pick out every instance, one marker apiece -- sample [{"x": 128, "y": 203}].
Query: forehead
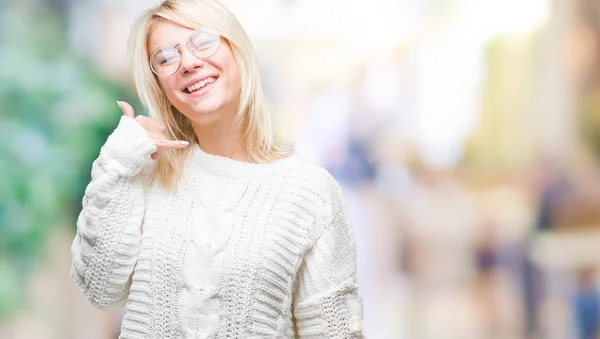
[{"x": 165, "y": 32}]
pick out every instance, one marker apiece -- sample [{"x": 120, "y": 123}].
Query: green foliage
[{"x": 56, "y": 111}]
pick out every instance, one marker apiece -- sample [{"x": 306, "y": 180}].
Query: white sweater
[{"x": 238, "y": 250}]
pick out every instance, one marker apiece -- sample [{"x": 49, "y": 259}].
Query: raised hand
[{"x": 154, "y": 129}]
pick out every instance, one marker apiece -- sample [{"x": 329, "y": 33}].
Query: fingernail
[
  {"x": 119, "y": 103},
  {"x": 184, "y": 143}
]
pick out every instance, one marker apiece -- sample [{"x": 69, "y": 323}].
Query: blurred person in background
[
  {"x": 197, "y": 218},
  {"x": 487, "y": 262},
  {"x": 552, "y": 189},
  {"x": 586, "y": 304}
]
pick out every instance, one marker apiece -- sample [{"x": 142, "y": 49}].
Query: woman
[{"x": 196, "y": 218}]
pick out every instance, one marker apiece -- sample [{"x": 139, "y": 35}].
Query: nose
[{"x": 189, "y": 62}]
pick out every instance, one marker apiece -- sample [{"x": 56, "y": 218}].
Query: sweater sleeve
[
  {"x": 105, "y": 249},
  {"x": 326, "y": 302}
]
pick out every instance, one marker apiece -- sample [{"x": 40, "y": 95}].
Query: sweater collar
[{"x": 217, "y": 164}]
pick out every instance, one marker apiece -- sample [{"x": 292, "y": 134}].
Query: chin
[
  {"x": 205, "y": 114},
  {"x": 209, "y": 107}
]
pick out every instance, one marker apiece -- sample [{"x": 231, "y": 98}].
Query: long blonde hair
[{"x": 253, "y": 112}]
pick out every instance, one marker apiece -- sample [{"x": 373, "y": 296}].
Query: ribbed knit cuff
[{"x": 128, "y": 148}]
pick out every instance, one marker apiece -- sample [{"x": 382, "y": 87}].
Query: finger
[
  {"x": 126, "y": 109},
  {"x": 154, "y": 155},
  {"x": 170, "y": 144}
]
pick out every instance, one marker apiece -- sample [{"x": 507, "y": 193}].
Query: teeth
[{"x": 201, "y": 84}]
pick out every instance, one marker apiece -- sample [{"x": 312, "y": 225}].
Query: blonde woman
[{"x": 197, "y": 219}]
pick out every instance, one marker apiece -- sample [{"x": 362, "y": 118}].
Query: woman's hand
[{"x": 154, "y": 129}]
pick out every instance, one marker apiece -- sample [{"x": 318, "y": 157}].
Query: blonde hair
[{"x": 253, "y": 112}]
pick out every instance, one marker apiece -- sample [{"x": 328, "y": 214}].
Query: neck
[{"x": 222, "y": 137}]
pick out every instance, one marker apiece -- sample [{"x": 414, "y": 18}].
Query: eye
[
  {"x": 203, "y": 39},
  {"x": 165, "y": 55},
  {"x": 167, "y": 59},
  {"x": 204, "y": 44}
]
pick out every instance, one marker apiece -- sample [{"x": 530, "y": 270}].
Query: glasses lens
[
  {"x": 204, "y": 42},
  {"x": 165, "y": 61}
]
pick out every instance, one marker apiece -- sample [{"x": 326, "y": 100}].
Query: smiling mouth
[{"x": 200, "y": 85}]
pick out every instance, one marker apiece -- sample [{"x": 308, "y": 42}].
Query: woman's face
[{"x": 202, "y": 89}]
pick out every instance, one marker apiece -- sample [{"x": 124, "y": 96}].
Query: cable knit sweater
[{"x": 238, "y": 250}]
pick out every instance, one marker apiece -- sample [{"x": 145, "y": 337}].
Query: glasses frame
[{"x": 187, "y": 43}]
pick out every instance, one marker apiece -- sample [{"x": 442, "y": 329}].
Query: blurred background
[{"x": 465, "y": 133}]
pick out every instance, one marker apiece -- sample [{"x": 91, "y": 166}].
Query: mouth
[{"x": 201, "y": 85}]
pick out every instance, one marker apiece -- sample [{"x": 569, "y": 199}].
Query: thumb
[{"x": 126, "y": 109}]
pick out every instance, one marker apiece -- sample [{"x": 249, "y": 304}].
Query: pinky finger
[{"x": 170, "y": 144}]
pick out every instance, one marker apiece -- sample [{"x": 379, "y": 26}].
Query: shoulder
[
  {"x": 310, "y": 176},
  {"x": 317, "y": 184},
  {"x": 309, "y": 194},
  {"x": 330, "y": 210}
]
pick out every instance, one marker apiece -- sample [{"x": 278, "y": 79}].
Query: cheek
[
  {"x": 170, "y": 89},
  {"x": 235, "y": 81}
]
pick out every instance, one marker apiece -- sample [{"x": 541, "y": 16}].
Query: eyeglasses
[{"x": 166, "y": 60}]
